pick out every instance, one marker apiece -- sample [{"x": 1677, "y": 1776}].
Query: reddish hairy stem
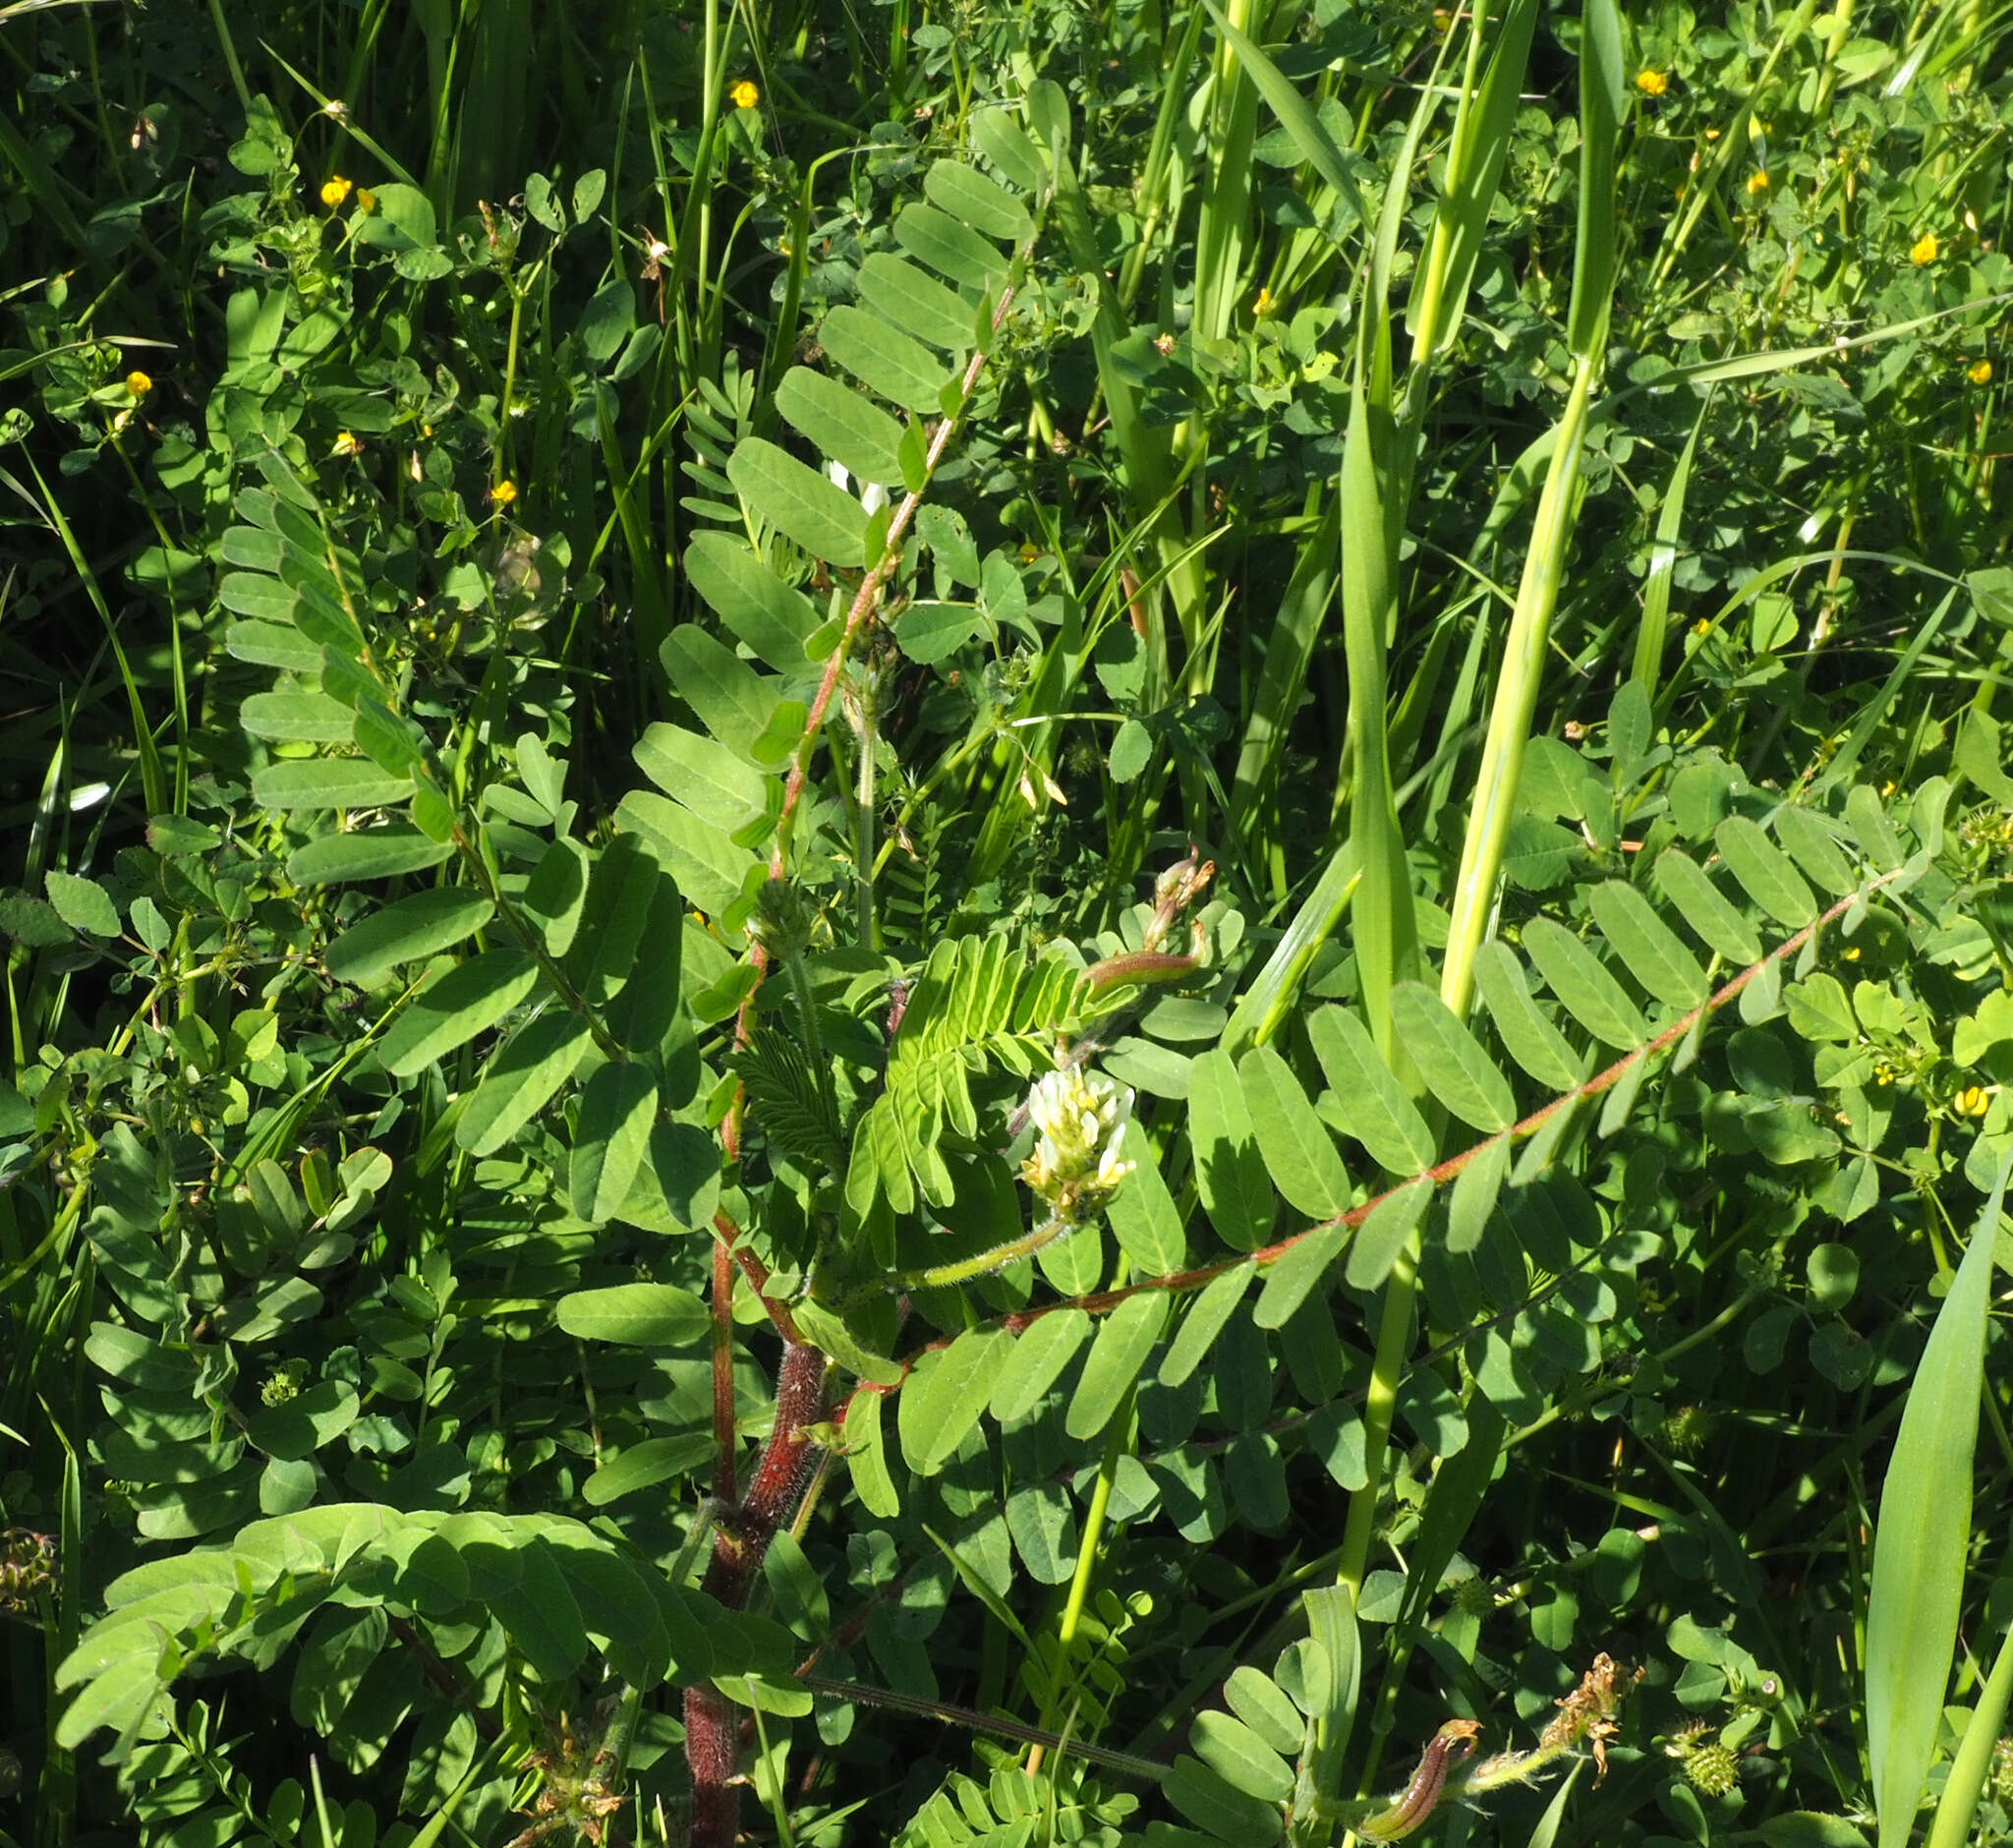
[
  {"x": 757, "y": 1274},
  {"x": 713, "y": 1729},
  {"x": 862, "y": 607},
  {"x": 724, "y": 1483}
]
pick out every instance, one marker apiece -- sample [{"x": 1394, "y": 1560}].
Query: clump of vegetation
[{"x": 982, "y": 925}]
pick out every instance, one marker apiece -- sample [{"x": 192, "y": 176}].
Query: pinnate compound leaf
[
  {"x": 710, "y": 869},
  {"x": 296, "y": 716},
  {"x": 644, "y": 1465},
  {"x": 1289, "y": 1282},
  {"x": 366, "y": 854},
  {"x": 936, "y": 239},
  {"x": 1703, "y": 905},
  {"x": 828, "y": 1331},
  {"x": 463, "y": 1003},
  {"x": 1006, "y": 143},
  {"x": 273, "y": 645},
  {"x": 866, "y": 1457},
  {"x": 1459, "y": 1074},
  {"x": 917, "y": 303},
  {"x": 116, "y": 1700},
  {"x": 1239, "y": 1757},
  {"x": 637, "y": 1316},
  {"x": 946, "y": 1395},
  {"x": 1229, "y": 1172},
  {"x": 1115, "y": 1357},
  {"x": 1210, "y": 1801},
  {"x": 301, "y": 1424},
  {"x": 1766, "y": 873},
  {"x": 799, "y": 502},
  {"x": 616, "y": 1111},
  {"x": 1651, "y": 951},
  {"x": 1144, "y": 1218},
  {"x": 1040, "y": 1354},
  {"x": 1588, "y": 992},
  {"x": 1813, "y": 846},
  {"x": 1474, "y": 1195},
  {"x": 1923, "y": 1538},
  {"x": 410, "y": 930},
  {"x": 1204, "y": 1320},
  {"x": 844, "y": 424},
  {"x": 1527, "y": 1036},
  {"x": 774, "y": 620},
  {"x": 1373, "y": 1103},
  {"x": 1382, "y": 1236},
  {"x": 541, "y": 1615},
  {"x": 521, "y": 1080},
  {"x": 980, "y": 203},
  {"x": 884, "y": 359},
  {"x": 1809, "y": 1829},
  {"x": 1298, "y": 1152},
  {"x": 328, "y": 782},
  {"x": 733, "y": 702},
  {"x": 1871, "y": 829}
]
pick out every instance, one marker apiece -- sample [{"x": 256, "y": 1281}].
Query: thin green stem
[{"x": 1116, "y": 1446}]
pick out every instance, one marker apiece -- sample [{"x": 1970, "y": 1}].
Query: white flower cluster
[{"x": 1077, "y": 1163}]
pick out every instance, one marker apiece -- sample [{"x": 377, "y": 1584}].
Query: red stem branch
[{"x": 1103, "y": 1301}]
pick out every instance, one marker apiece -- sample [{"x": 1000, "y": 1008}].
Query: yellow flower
[
  {"x": 504, "y": 492},
  {"x": 1029, "y": 553},
  {"x": 1925, "y": 250},
  {"x": 367, "y": 201},
  {"x": 1701, "y": 628},
  {"x": 1262, "y": 306},
  {"x": 139, "y": 384},
  {"x": 1979, "y": 371},
  {"x": 744, "y": 95},
  {"x": 335, "y": 191},
  {"x": 346, "y": 444},
  {"x": 1973, "y": 1101},
  {"x": 1852, "y": 955},
  {"x": 1757, "y": 183},
  {"x": 1652, "y": 83}
]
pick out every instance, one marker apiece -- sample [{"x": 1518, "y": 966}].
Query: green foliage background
[{"x": 623, "y": 623}]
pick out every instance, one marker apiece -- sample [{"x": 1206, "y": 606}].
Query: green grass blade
[
  {"x": 1268, "y": 999},
  {"x": 1958, "y": 1805},
  {"x": 1223, "y": 229},
  {"x": 1922, "y": 1538},
  {"x": 1316, "y": 145},
  {"x": 1602, "y": 94},
  {"x": 1516, "y": 690},
  {"x": 1302, "y": 609},
  {"x": 1482, "y": 125},
  {"x": 1663, "y": 556},
  {"x": 153, "y": 779}
]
